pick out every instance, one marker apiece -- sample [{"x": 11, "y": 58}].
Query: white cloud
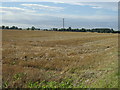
[
  {"x": 59, "y": 1},
  {"x": 105, "y": 4},
  {"x": 39, "y": 6},
  {"x": 93, "y": 3},
  {"x": 25, "y": 17},
  {"x": 11, "y": 8},
  {"x": 97, "y": 7},
  {"x": 14, "y": 9},
  {"x": 34, "y": 18},
  {"x": 21, "y": 16}
]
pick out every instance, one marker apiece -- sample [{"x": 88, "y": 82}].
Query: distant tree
[
  {"x": 7, "y": 27},
  {"x": 37, "y": 28},
  {"x": 112, "y": 30},
  {"x": 16, "y": 27},
  {"x": 88, "y": 30},
  {"x": 62, "y": 29},
  {"x": 13, "y": 27},
  {"x": 45, "y": 30},
  {"x": 28, "y": 28},
  {"x": 54, "y": 29},
  {"x": 3, "y": 27},
  {"x": 69, "y": 29},
  {"x": 77, "y": 30},
  {"x": 83, "y": 30},
  {"x": 32, "y": 28},
  {"x": 19, "y": 28}
]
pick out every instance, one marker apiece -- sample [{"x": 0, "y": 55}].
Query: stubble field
[{"x": 49, "y": 59}]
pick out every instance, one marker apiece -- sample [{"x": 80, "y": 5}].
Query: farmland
[{"x": 35, "y": 59}]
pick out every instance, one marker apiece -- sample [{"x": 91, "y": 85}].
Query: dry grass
[{"x": 34, "y": 56}]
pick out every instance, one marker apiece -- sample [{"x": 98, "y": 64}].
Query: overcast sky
[{"x": 49, "y": 14}]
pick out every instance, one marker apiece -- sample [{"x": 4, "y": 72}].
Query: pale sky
[{"x": 49, "y": 14}]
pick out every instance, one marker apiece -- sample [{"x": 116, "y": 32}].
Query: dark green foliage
[
  {"x": 7, "y": 27},
  {"x": 28, "y": 28},
  {"x": 102, "y": 30},
  {"x": 98, "y": 30},
  {"x": 3, "y": 27},
  {"x": 32, "y": 28},
  {"x": 55, "y": 29},
  {"x": 12, "y": 27}
]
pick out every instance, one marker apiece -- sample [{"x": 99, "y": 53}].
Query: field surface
[{"x": 35, "y": 59}]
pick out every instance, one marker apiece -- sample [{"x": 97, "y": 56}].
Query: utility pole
[{"x": 63, "y": 22}]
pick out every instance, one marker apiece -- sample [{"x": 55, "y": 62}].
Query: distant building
[{"x": 102, "y": 30}]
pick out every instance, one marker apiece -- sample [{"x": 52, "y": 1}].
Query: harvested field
[{"x": 34, "y": 59}]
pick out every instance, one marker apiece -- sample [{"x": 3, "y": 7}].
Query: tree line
[
  {"x": 98, "y": 30},
  {"x": 12, "y": 27},
  {"x": 16, "y": 28}
]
